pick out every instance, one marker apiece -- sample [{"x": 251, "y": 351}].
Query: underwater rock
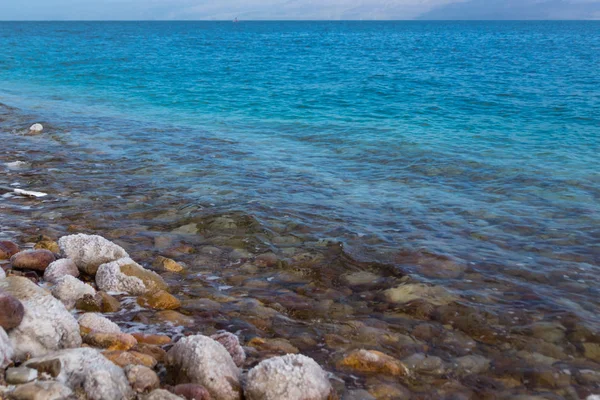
[
  {"x": 371, "y": 361},
  {"x": 166, "y": 264},
  {"x": 124, "y": 358},
  {"x": 90, "y": 251},
  {"x": 160, "y": 300},
  {"x": 290, "y": 377},
  {"x": 435, "y": 295}
]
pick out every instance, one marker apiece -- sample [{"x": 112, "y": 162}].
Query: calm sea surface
[{"x": 472, "y": 142}]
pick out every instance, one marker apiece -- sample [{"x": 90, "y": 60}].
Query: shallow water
[{"x": 462, "y": 153}]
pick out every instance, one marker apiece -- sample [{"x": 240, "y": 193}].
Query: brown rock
[
  {"x": 592, "y": 351},
  {"x": 49, "y": 245},
  {"x": 142, "y": 379},
  {"x": 109, "y": 303},
  {"x": 192, "y": 391},
  {"x": 124, "y": 358},
  {"x": 152, "y": 350},
  {"x": 273, "y": 346},
  {"x": 371, "y": 361},
  {"x": 51, "y": 367},
  {"x": 152, "y": 281},
  {"x": 89, "y": 303},
  {"x": 166, "y": 264},
  {"x": 11, "y": 311},
  {"x": 160, "y": 300},
  {"x": 8, "y": 249},
  {"x": 232, "y": 344},
  {"x": 158, "y": 340},
  {"x": 110, "y": 341},
  {"x": 37, "y": 260},
  {"x": 175, "y": 318}
]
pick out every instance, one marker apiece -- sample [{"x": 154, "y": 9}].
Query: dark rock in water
[
  {"x": 191, "y": 391},
  {"x": 8, "y": 249},
  {"x": 37, "y": 260},
  {"x": 11, "y": 311}
]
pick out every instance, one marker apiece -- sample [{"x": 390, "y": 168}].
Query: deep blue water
[{"x": 479, "y": 141}]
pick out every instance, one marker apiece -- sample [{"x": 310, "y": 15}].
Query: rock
[
  {"x": 124, "y": 358},
  {"x": 360, "y": 394},
  {"x": 472, "y": 365},
  {"x": 551, "y": 332},
  {"x": 371, "y": 361},
  {"x": 166, "y": 264},
  {"x": 8, "y": 249},
  {"x": 592, "y": 351},
  {"x": 232, "y": 345},
  {"x": 142, "y": 379},
  {"x": 109, "y": 303},
  {"x": 110, "y": 341},
  {"x": 125, "y": 275},
  {"x": 6, "y": 350},
  {"x": 290, "y": 377},
  {"x": 50, "y": 366},
  {"x": 46, "y": 326},
  {"x": 175, "y": 318},
  {"x": 37, "y": 260},
  {"x": 45, "y": 390},
  {"x": 200, "y": 359},
  {"x": 189, "y": 229},
  {"x": 11, "y": 311},
  {"x": 49, "y": 245},
  {"x": 192, "y": 391},
  {"x": 161, "y": 394},
  {"x": 435, "y": 295},
  {"x": 90, "y": 251},
  {"x": 70, "y": 289},
  {"x": 37, "y": 127},
  {"x": 424, "y": 364},
  {"x": 273, "y": 346},
  {"x": 60, "y": 268},
  {"x": 89, "y": 303},
  {"x": 152, "y": 350},
  {"x": 93, "y": 322},
  {"x": 18, "y": 376},
  {"x": 86, "y": 368},
  {"x": 158, "y": 340},
  {"x": 160, "y": 300},
  {"x": 361, "y": 278}
]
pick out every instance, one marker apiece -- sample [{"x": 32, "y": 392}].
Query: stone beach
[{"x": 137, "y": 296}]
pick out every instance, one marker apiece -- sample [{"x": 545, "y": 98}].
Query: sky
[{"x": 296, "y": 9}]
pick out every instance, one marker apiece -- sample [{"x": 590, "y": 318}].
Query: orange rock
[
  {"x": 160, "y": 300},
  {"x": 174, "y": 317},
  {"x": 166, "y": 264},
  {"x": 279, "y": 346},
  {"x": 158, "y": 340},
  {"x": 8, "y": 249},
  {"x": 109, "y": 303},
  {"x": 374, "y": 362},
  {"x": 50, "y": 245},
  {"x": 124, "y": 358},
  {"x": 110, "y": 341}
]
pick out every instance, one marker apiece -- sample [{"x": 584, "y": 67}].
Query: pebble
[
  {"x": 8, "y": 249},
  {"x": 90, "y": 251},
  {"x": 94, "y": 322},
  {"x": 160, "y": 300},
  {"x": 124, "y": 358},
  {"x": 158, "y": 340},
  {"x": 232, "y": 345},
  {"x": 166, "y": 265},
  {"x": 110, "y": 341},
  {"x": 43, "y": 390},
  {"x": 37, "y": 260},
  {"x": 371, "y": 361}
]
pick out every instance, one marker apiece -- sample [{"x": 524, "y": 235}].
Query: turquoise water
[{"x": 475, "y": 141}]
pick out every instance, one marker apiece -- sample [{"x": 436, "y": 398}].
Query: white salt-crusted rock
[
  {"x": 110, "y": 278},
  {"x": 6, "y": 349},
  {"x": 47, "y": 325},
  {"x": 60, "y": 268},
  {"x": 70, "y": 289},
  {"x": 200, "y": 359},
  {"x": 97, "y": 323},
  {"x": 90, "y": 251},
  {"x": 232, "y": 345},
  {"x": 36, "y": 127},
  {"x": 290, "y": 377},
  {"x": 2, "y": 273},
  {"x": 87, "y": 368},
  {"x": 161, "y": 394}
]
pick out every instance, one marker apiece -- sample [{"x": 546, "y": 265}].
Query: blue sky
[{"x": 296, "y": 9}]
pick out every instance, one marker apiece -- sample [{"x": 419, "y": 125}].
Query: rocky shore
[{"x": 142, "y": 295}]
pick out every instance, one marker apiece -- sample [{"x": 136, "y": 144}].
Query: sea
[{"x": 475, "y": 144}]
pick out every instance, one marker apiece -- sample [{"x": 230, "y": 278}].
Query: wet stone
[
  {"x": 160, "y": 300},
  {"x": 20, "y": 375},
  {"x": 51, "y": 367},
  {"x": 152, "y": 350},
  {"x": 165, "y": 264},
  {"x": 158, "y": 340},
  {"x": 110, "y": 341},
  {"x": 371, "y": 361},
  {"x": 142, "y": 379},
  {"x": 11, "y": 311},
  {"x": 273, "y": 346},
  {"x": 37, "y": 260},
  {"x": 8, "y": 249},
  {"x": 124, "y": 358}
]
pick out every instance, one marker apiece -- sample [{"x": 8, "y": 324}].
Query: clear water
[{"x": 475, "y": 141}]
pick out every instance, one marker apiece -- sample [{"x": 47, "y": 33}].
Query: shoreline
[{"x": 283, "y": 292}]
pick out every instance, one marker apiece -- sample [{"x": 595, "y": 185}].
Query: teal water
[{"x": 475, "y": 141}]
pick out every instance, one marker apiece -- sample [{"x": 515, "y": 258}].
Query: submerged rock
[
  {"x": 435, "y": 295},
  {"x": 290, "y": 377},
  {"x": 87, "y": 369},
  {"x": 200, "y": 359},
  {"x": 90, "y": 251},
  {"x": 93, "y": 322},
  {"x": 46, "y": 326},
  {"x": 37, "y": 260},
  {"x": 124, "y": 358},
  {"x": 166, "y": 264},
  {"x": 160, "y": 300},
  {"x": 371, "y": 361},
  {"x": 60, "y": 268},
  {"x": 70, "y": 289},
  {"x": 125, "y": 275}
]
